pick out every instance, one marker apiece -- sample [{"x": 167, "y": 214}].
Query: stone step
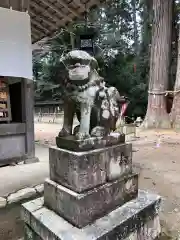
[
  {"x": 137, "y": 219},
  {"x": 80, "y": 171},
  {"x": 81, "y": 209}
]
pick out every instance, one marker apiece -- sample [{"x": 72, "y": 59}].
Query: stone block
[
  {"x": 119, "y": 161},
  {"x": 82, "y": 209},
  {"x": 72, "y": 144},
  {"x": 137, "y": 219},
  {"x": 20, "y": 195},
  {"x": 29, "y": 160},
  {"x": 39, "y": 188},
  {"x": 29, "y": 234},
  {"x": 81, "y": 171}
]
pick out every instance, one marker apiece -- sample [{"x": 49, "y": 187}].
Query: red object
[
  {"x": 134, "y": 67},
  {"x": 123, "y": 108}
]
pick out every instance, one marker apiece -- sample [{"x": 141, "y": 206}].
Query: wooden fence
[
  {"x": 48, "y": 117},
  {"x": 127, "y": 129}
]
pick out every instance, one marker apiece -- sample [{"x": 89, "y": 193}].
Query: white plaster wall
[{"x": 15, "y": 44}]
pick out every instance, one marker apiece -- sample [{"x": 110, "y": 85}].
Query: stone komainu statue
[{"x": 97, "y": 107}]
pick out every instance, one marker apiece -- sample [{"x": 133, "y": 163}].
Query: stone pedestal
[
  {"x": 137, "y": 219},
  {"x": 80, "y": 171},
  {"x": 92, "y": 195}
]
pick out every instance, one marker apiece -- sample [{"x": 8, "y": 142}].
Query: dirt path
[
  {"x": 159, "y": 173},
  {"x": 157, "y": 154}
]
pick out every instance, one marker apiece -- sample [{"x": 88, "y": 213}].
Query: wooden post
[
  {"x": 28, "y": 106},
  {"x": 28, "y": 92}
]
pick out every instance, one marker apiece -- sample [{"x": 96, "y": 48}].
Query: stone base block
[
  {"x": 29, "y": 234},
  {"x": 80, "y": 171},
  {"x": 71, "y": 143},
  {"x": 137, "y": 219},
  {"x": 81, "y": 209},
  {"x": 31, "y": 160}
]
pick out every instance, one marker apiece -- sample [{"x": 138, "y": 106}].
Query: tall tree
[
  {"x": 156, "y": 115},
  {"x": 174, "y": 40},
  {"x": 175, "y": 112},
  {"x": 136, "y": 44},
  {"x": 146, "y": 33}
]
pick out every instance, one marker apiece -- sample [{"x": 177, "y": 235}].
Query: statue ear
[{"x": 93, "y": 75}]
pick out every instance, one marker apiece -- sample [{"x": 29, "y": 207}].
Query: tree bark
[
  {"x": 136, "y": 43},
  {"x": 146, "y": 26},
  {"x": 146, "y": 32},
  {"x": 157, "y": 116},
  {"x": 175, "y": 111},
  {"x": 174, "y": 46}
]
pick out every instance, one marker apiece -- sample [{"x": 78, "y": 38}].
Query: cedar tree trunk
[
  {"x": 156, "y": 115},
  {"x": 175, "y": 112}
]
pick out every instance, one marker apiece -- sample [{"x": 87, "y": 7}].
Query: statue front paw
[
  {"x": 76, "y": 130},
  {"x": 99, "y": 132},
  {"x": 64, "y": 133},
  {"x": 82, "y": 136}
]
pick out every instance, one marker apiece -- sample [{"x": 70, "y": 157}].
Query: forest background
[{"x": 127, "y": 34}]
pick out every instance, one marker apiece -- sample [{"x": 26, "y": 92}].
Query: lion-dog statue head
[{"x": 97, "y": 107}]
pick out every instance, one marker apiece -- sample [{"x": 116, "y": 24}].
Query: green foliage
[{"x": 119, "y": 64}]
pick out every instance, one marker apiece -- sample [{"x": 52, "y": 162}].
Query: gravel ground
[{"x": 156, "y": 154}]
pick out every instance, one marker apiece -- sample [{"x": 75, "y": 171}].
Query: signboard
[
  {"x": 5, "y": 108},
  {"x": 15, "y": 44}
]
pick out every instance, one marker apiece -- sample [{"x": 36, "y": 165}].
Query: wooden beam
[
  {"x": 5, "y": 3},
  {"x": 65, "y": 5},
  {"x": 25, "y": 5},
  {"x": 36, "y": 32},
  {"x": 43, "y": 10},
  {"x": 87, "y": 6},
  {"x": 92, "y": 3},
  {"x": 80, "y": 4},
  {"x": 33, "y": 37},
  {"x": 41, "y": 18},
  {"x": 19, "y": 5},
  {"x": 40, "y": 27},
  {"x": 57, "y": 19},
  {"x": 56, "y": 10},
  {"x": 16, "y": 5}
]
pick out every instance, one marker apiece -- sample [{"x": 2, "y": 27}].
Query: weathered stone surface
[
  {"x": 81, "y": 171},
  {"x": 29, "y": 234},
  {"x": 3, "y": 202},
  {"x": 119, "y": 161},
  {"x": 72, "y": 144},
  {"x": 148, "y": 231},
  {"x": 29, "y": 160},
  {"x": 81, "y": 209},
  {"x": 96, "y": 105},
  {"x": 137, "y": 219},
  {"x": 21, "y": 194},
  {"x": 40, "y": 188}
]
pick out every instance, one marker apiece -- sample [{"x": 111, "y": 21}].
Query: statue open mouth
[{"x": 79, "y": 73}]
